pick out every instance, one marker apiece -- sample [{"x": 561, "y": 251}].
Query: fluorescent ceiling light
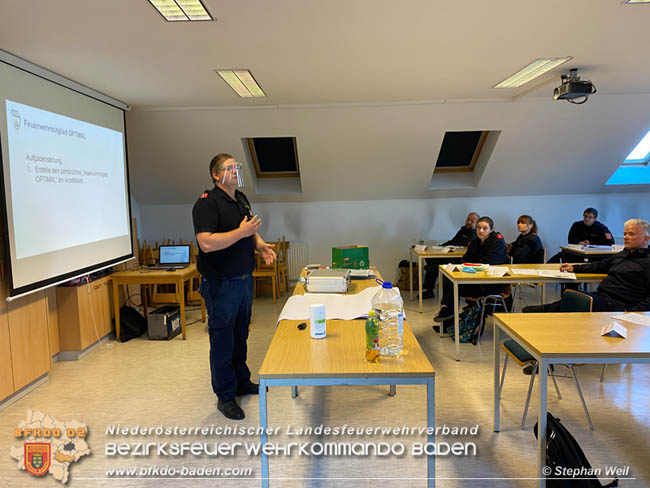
[
  {"x": 242, "y": 81},
  {"x": 532, "y": 71},
  {"x": 181, "y": 10},
  {"x": 637, "y": 1}
]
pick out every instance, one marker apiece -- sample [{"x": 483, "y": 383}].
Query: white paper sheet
[
  {"x": 549, "y": 273},
  {"x": 497, "y": 271},
  {"x": 521, "y": 271},
  {"x": 337, "y": 306},
  {"x": 635, "y": 318}
]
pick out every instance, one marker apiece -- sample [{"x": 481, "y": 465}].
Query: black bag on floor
[
  {"x": 132, "y": 324},
  {"x": 564, "y": 452}
]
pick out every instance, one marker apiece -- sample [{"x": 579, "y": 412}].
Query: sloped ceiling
[{"x": 367, "y": 86}]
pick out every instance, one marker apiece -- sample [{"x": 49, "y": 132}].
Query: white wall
[{"x": 388, "y": 226}]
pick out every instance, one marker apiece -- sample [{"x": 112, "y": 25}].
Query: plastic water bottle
[{"x": 389, "y": 310}]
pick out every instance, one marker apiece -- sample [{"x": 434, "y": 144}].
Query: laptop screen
[{"x": 175, "y": 254}]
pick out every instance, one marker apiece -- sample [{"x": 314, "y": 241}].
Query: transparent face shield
[{"x": 227, "y": 171}]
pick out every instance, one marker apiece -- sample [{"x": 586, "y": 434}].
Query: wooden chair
[
  {"x": 283, "y": 252},
  {"x": 264, "y": 272},
  {"x": 572, "y": 301}
]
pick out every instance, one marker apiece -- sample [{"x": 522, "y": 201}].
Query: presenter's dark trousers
[{"x": 229, "y": 303}]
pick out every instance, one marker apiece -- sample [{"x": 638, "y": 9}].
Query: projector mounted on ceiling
[{"x": 573, "y": 89}]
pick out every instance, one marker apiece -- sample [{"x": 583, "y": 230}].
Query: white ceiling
[{"x": 361, "y": 83}]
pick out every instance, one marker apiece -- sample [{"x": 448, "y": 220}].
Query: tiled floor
[{"x": 152, "y": 383}]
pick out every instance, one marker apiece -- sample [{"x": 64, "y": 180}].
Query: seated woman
[
  {"x": 527, "y": 248},
  {"x": 489, "y": 248}
]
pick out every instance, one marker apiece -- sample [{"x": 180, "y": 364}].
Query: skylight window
[
  {"x": 634, "y": 170},
  {"x": 641, "y": 153}
]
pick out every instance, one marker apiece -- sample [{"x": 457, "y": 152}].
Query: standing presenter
[{"x": 227, "y": 237}]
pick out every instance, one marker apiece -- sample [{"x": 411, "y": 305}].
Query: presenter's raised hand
[
  {"x": 267, "y": 252},
  {"x": 250, "y": 226}
]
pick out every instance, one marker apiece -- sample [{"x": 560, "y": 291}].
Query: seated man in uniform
[
  {"x": 587, "y": 231},
  {"x": 462, "y": 239},
  {"x": 627, "y": 286}
]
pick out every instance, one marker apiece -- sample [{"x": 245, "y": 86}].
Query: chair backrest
[{"x": 575, "y": 301}]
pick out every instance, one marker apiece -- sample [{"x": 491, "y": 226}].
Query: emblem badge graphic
[
  {"x": 37, "y": 457},
  {"x": 16, "y": 118}
]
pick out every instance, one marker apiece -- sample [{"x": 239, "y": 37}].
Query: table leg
[
  {"x": 116, "y": 309},
  {"x": 440, "y": 280},
  {"x": 294, "y": 392},
  {"x": 392, "y": 390},
  {"x": 541, "y": 421},
  {"x": 420, "y": 281},
  {"x": 543, "y": 293},
  {"x": 497, "y": 380},
  {"x": 456, "y": 321},
  {"x": 144, "y": 299},
  {"x": 431, "y": 424},
  {"x": 411, "y": 274},
  {"x": 263, "y": 436},
  {"x": 180, "y": 291}
]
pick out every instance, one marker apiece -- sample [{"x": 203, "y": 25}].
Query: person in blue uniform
[
  {"x": 627, "y": 286},
  {"x": 488, "y": 247},
  {"x": 527, "y": 248},
  {"x": 587, "y": 231},
  {"x": 462, "y": 239},
  {"x": 226, "y": 233}
]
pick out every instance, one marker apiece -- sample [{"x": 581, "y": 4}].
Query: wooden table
[
  {"x": 481, "y": 278},
  {"x": 585, "y": 252},
  {"x": 458, "y": 252},
  {"x": 295, "y": 359},
  {"x": 565, "y": 338},
  {"x": 155, "y": 277}
]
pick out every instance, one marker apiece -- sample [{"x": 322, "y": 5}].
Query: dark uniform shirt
[
  {"x": 628, "y": 277},
  {"x": 597, "y": 234},
  {"x": 527, "y": 249},
  {"x": 214, "y": 212},
  {"x": 492, "y": 251},
  {"x": 462, "y": 238}
]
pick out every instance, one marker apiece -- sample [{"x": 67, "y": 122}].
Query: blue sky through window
[{"x": 635, "y": 169}]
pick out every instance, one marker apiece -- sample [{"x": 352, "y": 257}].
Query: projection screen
[{"x": 65, "y": 179}]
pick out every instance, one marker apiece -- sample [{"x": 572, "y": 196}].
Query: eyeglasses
[{"x": 236, "y": 166}]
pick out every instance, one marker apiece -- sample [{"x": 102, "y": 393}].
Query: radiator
[{"x": 297, "y": 259}]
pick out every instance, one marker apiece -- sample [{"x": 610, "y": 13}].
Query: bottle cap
[
  {"x": 386, "y": 284},
  {"x": 371, "y": 313}
]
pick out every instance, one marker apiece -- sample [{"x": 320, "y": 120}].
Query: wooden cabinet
[
  {"x": 84, "y": 314},
  {"x": 29, "y": 338},
  {"x": 6, "y": 369}
]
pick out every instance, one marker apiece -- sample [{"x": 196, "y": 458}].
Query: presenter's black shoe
[
  {"x": 230, "y": 410},
  {"x": 444, "y": 314},
  {"x": 427, "y": 294},
  {"x": 436, "y": 329},
  {"x": 249, "y": 389}
]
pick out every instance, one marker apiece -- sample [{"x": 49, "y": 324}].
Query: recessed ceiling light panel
[
  {"x": 243, "y": 82},
  {"x": 181, "y": 10},
  {"x": 532, "y": 71}
]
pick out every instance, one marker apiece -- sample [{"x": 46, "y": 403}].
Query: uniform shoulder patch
[
  {"x": 499, "y": 236},
  {"x": 204, "y": 195},
  {"x": 608, "y": 235}
]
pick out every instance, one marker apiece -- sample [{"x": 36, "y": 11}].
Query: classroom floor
[{"x": 153, "y": 383}]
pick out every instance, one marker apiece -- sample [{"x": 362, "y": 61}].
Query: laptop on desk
[{"x": 173, "y": 257}]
